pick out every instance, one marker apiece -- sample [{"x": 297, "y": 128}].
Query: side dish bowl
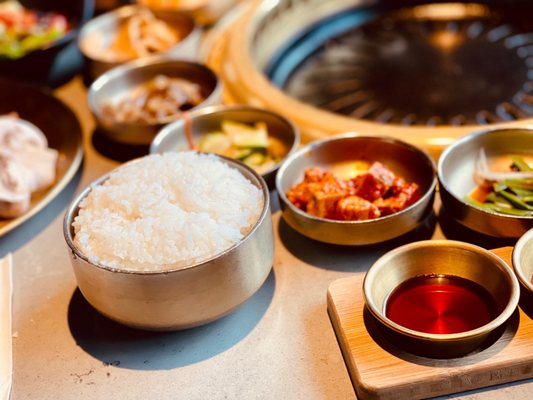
[
  {"x": 449, "y": 258},
  {"x": 523, "y": 263},
  {"x": 56, "y": 62},
  {"x": 456, "y": 173},
  {"x": 173, "y": 137},
  {"x": 97, "y": 36},
  {"x": 205, "y": 12},
  {"x": 183, "y": 297},
  {"x": 339, "y": 154},
  {"x": 121, "y": 83}
]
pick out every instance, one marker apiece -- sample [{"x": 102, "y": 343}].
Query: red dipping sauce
[{"x": 440, "y": 304}]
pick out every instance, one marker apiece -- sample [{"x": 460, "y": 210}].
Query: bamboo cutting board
[{"x": 380, "y": 370}]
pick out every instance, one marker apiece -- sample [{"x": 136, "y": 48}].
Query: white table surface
[{"x": 278, "y": 345}]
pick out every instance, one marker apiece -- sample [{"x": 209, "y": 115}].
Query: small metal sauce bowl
[
  {"x": 97, "y": 35},
  {"x": 173, "y": 138},
  {"x": 456, "y": 168},
  {"x": 119, "y": 83},
  {"x": 185, "y": 297},
  {"x": 335, "y": 154},
  {"x": 448, "y": 258},
  {"x": 523, "y": 266}
]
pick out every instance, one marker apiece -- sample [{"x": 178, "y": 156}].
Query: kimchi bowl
[{"x": 332, "y": 190}]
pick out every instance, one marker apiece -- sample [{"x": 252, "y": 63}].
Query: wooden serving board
[{"x": 381, "y": 370}]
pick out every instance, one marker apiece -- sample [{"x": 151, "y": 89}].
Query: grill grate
[{"x": 408, "y": 69}]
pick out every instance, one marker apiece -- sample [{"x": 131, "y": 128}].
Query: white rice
[{"x": 165, "y": 212}]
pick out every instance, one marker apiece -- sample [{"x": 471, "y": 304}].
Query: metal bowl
[
  {"x": 98, "y": 34},
  {"x": 456, "y": 168},
  {"x": 204, "y": 12},
  {"x": 185, "y": 297},
  {"x": 449, "y": 258},
  {"x": 337, "y": 153},
  {"x": 523, "y": 265},
  {"x": 121, "y": 81},
  {"x": 173, "y": 138}
]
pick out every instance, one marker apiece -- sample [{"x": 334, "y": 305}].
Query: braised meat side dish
[
  {"x": 372, "y": 194},
  {"x": 159, "y": 100}
]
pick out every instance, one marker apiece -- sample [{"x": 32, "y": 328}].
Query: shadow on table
[
  {"x": 124, "y": 347},
  {"x": 453, "y": 230},
  {"x": 114, "y": 150},
  {"x": 348, "y": 258}
]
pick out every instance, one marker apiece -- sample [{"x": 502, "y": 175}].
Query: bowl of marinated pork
[{"x": 356, "y": 190}]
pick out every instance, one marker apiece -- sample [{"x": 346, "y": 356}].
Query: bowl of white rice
[{"x": 171, "y": 241}]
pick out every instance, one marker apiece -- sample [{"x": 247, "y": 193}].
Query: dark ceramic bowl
[{"x": 59, "y": 61}]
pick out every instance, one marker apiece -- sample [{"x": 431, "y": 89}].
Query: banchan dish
[
  {"x": 122, "y": 82},
  {"x": 174, "y": 136},
  {"x": 523, "y": 266},
  {"x": 100, "y": 36},
  {"x": 457, "y": 179},
  {"x": 338, "y": 154}
]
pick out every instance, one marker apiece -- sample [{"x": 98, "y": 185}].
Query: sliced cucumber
[
  {"x": 246, "y": 136},
  {"x": 254, "y": 160},
  {"x": 268, "y": 164},
  {"x": 241, "y": 154},
  {"x": 215, "y": 142}
]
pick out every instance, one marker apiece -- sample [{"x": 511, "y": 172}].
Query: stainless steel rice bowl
[{"x": 185, "y": 297}]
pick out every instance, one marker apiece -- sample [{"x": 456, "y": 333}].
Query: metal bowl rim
[
  {"x": 347, "y": 136},
  {"x": 501, "y": 318},
  {"x": 69, "y": 217},
  {"x": 168, "y": 129},
  {"x": 517, "y": 265},
  {"x": 126, "y": 11},
  {"x": 140, "y": 64},
  {"x": 178, "y": 7},
  {"x": 465, "y": 139}
]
